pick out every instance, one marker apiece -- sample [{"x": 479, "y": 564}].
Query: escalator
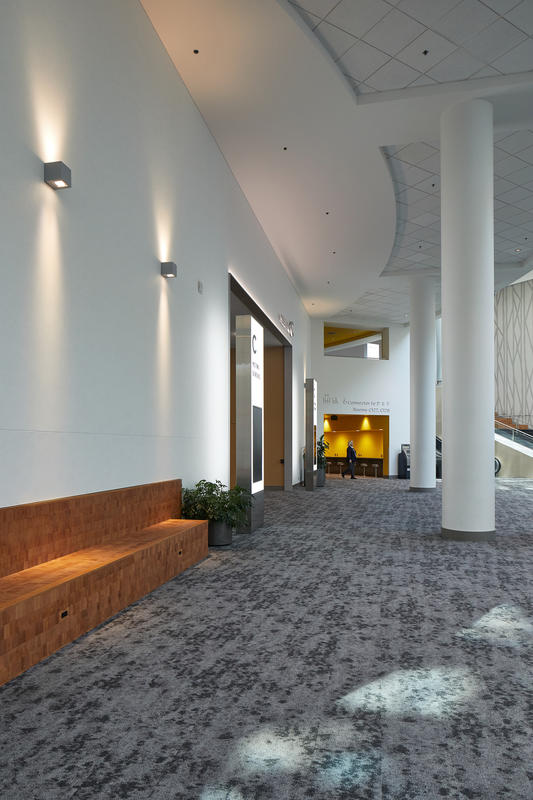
[{"x": 438, "y": 453}]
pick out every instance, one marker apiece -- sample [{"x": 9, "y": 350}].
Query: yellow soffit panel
[{"x": 335, "y": 336}]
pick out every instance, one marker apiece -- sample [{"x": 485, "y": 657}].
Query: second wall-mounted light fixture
[
  {"x": 57, "y": 175},
  {"x": 169, "y": 269}
]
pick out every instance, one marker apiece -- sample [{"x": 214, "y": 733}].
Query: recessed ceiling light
[{"x": 518, "y": 250}]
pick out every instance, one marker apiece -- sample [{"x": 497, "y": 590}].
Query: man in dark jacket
[{"x": 351, "y": 455}]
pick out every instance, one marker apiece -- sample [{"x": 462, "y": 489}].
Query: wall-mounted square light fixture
[
  {"x": 168, "y": 269},
  {"x": 57, "y": 175}
]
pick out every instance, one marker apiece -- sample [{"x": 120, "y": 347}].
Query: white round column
[
  {"x": 423, "y": 378},
  {"x": 467, "y": 321}
]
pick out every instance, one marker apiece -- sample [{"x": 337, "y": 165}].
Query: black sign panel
[{"x": 257, "y": 444}]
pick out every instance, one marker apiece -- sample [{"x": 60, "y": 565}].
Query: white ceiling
[
  {"x": 286, "y": 123},
  {"x": 391, "y": 44},
  {"x": 344, "y": 184},
  {"x": 416, "y": 172}
]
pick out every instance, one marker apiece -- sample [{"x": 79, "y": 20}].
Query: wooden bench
[{"x": 67, "y": 565}]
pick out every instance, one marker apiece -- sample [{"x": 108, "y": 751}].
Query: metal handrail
[{"x": 516, "y": 433}]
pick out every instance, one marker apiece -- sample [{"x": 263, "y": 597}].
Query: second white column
[{"x": 423, "y": 378}]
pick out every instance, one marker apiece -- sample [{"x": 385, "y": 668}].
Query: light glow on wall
[
  {"x": 49, "y": 334},
  {"x": 163, "y": 360},
  {"x": 49, "y": 97},
  {"x": 163, "y": 228}
]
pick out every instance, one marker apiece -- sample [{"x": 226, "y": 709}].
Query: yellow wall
[
  {"x": 367, "y": 445},
  {"x": 370, "y": 435}
]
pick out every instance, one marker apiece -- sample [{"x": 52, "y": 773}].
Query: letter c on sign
[{"x": 254, "y": 339}]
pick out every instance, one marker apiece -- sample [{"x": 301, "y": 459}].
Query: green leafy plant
[
  {"x": 321, "y": 447},
  {"x": 213, "y": 501}
]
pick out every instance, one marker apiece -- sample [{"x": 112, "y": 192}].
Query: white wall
[
  {"x": 108, "y": 369},
  {"x": 353, "y": 385}
]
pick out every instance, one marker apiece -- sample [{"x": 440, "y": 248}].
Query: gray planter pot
[
  {"x": 321, "y": 477},
  {"x": 219, "y": 534}
]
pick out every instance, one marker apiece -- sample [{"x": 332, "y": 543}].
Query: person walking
[{"x": 351, "y": 455}]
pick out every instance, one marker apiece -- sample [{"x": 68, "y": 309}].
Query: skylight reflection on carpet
[
  {"x": 266, "y": 751},
  {"x": 505, "y": 625},
  {"x": 433, "y": 692},
  {"x": 220, "y": 793},
  {"x": 343, "y": 770}
]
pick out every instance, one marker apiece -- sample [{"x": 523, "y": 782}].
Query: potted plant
[
  {"x": 321, "y": 461},
  {"x": 224, "y": 508}
]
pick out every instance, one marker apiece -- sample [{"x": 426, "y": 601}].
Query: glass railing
[{"x": 514, "y": 434}]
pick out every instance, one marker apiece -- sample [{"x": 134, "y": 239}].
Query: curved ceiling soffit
[{"x": 290, "y": 129}]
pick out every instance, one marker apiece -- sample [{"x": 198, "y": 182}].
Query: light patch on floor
[
  {"x": 344, "y": 770},
  {"x": 220, "y": 793},
  {"x": 265, "y": 751},
  {"x": 505, "y": 625},
  {"x": 434, "y": 692}
]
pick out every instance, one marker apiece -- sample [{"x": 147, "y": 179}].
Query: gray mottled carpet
[{"x": 343, "y": 651}]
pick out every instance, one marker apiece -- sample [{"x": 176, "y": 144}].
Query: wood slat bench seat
[{"x": 48, "y": 604}]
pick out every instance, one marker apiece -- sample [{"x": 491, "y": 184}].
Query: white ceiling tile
[
  {"x": 412, "y": 230},
  {"x": 411, "y": 195},
  {"x": 527, "y": 155},
  {"x": 426, "y": 11},
  {"x": 526, "y": 204},
  {"x": 393, "y": 75},
  {"x": 430, "y": 235},
  {"x": 499, "y": 136},
  {"x": 358, "y": 16},
  {"x": 432, "y": 164},
  {"x": 505, "y": 213},
  {"x": 524, "y": 219},
  {"x": 501, "y": 185},
  {"x": 394, "y": 32},
  {"x": 501, "y": 6},
  {"x": 465, "y": 20},
  {"x": 311, "y": 19},
  {"x": 414, "y": 153},
  {"x": 434, "y": 46},
  {"x": 501, "y": 227},
  {"x": 430, "y": 185},
  {"x": 486, "y": 72},
  {"x": 423, "y": 80},
  {"x": 362, "y": 60},
  {"x": 336, "y": 41},
  {"x": 362, "y": 88},
  {"x": 426, "y": 219},
  {"x": 318, "y": 7},
  {"x": 523, "y": 176},
  {"x": 495, "y": 40},
  {"x": 519, "y": 59},
  {"x": 500, "y": 154},
  {"x": 517, "y": 193},
  {"x": 428, "y": 203},
  {"x": 456, "y": 67},
  {"x": 506, "y": 166},
  {"x": 515, "y": 142},
  {"x": 408, "y": 173},
  {"x": 522, "y": 16}
]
